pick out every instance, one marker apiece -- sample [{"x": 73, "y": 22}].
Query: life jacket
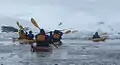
[
  {"x": 41, "y": 38},
  {"x": 96, "y": 36},
  {"x": 30, "y": 36},
  {"x": 56, "y": 36},
  {"x": 22, "y": 35}
]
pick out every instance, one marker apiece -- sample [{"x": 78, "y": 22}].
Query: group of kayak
[
  {"x": 45, "y": 40},
  {"x": 42, "y": 39}
]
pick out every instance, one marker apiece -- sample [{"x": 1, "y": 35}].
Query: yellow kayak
[
  {"x": 24, "y": 41},
  {"x": 98, "y": 39}
]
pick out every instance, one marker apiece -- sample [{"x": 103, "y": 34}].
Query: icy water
[{"x": 72, "y": 52}]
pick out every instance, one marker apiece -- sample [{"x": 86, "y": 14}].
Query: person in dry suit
[
  {"x": 57, "y": 36},
  {"x": 22, "y": 35},
  {"x": 96, "y": 35},
  {"x": 42, "y": 39},
  {"x": 30, "y": 35}
]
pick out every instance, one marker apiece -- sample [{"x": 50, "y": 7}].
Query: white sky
[{"x": 78, "y": 14}]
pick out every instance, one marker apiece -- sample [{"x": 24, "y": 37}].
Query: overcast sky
[{"x": 79, "y": 14}]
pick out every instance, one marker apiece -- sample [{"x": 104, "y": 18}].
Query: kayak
[
  {"x": 98, "y": 39},
  {"x": 41, "y": 48},
  {"x": 24, "y": 41}
]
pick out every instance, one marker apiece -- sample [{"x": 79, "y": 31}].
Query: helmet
[
  {"x": 42, "y": 31},
  {"x": 21, "y": 31},
  {"x": 56, "y": 31},
  {"x": 30, "y": 31}
]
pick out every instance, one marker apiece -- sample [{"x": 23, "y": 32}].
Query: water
[{"x": 72, "y": 52}]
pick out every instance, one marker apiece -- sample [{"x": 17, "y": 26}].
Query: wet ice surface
[{"x": 72, "y": 52}]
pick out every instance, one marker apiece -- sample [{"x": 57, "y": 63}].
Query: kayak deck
[
  {"x": 98, "y": 39},
  {"x": 24, "y": 41},
  {"x": 41, "y": 49}
]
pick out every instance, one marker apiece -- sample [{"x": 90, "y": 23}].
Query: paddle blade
[
  {"x": 68, "y": 31},
  {"x": 34, "y": 23},
  {"x": 74, "y": 31},
  {"x": 21, "y": 27},
  {"x": 60, "y": 24},
  {"x": 18, "y": 23}
]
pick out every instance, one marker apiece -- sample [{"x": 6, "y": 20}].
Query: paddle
[
  {"x": 35, "y": 23},
  {"x": 20, "y": 26},
  {"x": 68, "y": 31}
]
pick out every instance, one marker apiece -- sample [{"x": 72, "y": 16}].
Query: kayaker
[
  {"x": 96, "y": 35},
  {"x": 30, "y": 35},
  {"x": 42, "y": 39},
  {"x": 57, "y": 36},
  {"x": 22, "y": 35}
]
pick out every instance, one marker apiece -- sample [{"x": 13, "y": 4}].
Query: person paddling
[
  {"x": 56, "y": 38},
  {"x": 22, "y": 35},
  {"x": 96, "y": 35},
  {"x": 42, "y": 39},
  {"x": 30, "y": 35}
]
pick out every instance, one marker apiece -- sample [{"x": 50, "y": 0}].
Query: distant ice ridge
[
  {"x": 78, "y": 35},
  {"x": 81, "y": 34},
  {"x": 88, "y": 35}
]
